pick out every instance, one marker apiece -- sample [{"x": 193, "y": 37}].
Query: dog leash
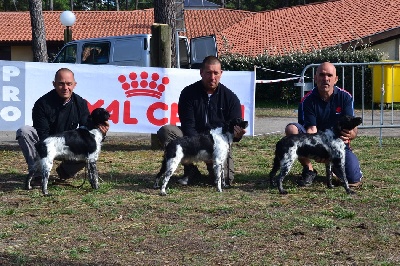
[{"x": 86, "y": 175}]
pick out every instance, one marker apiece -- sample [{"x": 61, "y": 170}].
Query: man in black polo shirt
[{"x": 320, "y": 109}]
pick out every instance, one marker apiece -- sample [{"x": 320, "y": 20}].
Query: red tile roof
[
  {"x": 15, "y": 26},
  {"x": 278, "y": 31},
  {"x": 311, "y": 26}
]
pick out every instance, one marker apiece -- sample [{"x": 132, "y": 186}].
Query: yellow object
[{"x": 390, "y": 83}]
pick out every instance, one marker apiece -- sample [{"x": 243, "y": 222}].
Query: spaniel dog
[
  {"x": 204, "y": 147},
  {"x": 81, "y": 144},
  {"x": 325, "y": 145}
]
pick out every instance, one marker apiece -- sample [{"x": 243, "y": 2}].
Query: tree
[
  {"x": 165, "y": 13},
  {"x": 38, "y": 31}
]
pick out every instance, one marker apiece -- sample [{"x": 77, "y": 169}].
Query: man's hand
[
  {"x": 238, "y": 132},
  {"x": 104, "y": 127},
  {"x": 347, "y": 135}
]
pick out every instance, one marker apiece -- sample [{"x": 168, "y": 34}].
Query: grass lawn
[{"x": 126, "y": 222}]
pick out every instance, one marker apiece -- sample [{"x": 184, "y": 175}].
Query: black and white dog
[
  {"x": 204, "y": 147},
  {"x": 322, "y": 145},
  {"x": 80, "y": 144}
]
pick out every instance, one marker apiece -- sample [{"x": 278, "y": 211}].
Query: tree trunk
[
  {"x": 165, "y": 13},
  {"x": 38, "y": 31}
]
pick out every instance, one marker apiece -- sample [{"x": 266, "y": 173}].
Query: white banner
[{"x": 140, "y": 99}]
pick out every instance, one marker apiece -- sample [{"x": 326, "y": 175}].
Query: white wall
[
  {"x": 21, "y": 53},
  {"x": 391, "y": 49}
]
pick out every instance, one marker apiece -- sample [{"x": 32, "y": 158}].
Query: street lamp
[{"x": 67, "y": 19}]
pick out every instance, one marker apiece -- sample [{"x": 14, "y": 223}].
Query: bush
[{"x": 295, "y": 62}]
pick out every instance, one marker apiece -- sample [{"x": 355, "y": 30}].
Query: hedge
[{"x": 295, "y": 62}]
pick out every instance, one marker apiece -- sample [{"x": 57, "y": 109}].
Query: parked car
[{"x": 133, "y": 50}]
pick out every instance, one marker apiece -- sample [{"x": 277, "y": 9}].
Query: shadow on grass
[
  {"x": 12, "y": 182},
  {"x": 126, "y": 146},
  {"x": 112, "y": 145},
  {"x": 9, "y": 148},
  {"x": 144, "y": 182},
  {"x": 247, "y": 183},
  {"x": 11, "y": 259}
]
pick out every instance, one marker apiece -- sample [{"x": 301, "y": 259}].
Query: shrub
[{"x": 295, "y": 62}]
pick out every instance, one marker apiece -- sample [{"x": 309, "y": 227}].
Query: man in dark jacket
[
  {"x": 203, "y": 105},
  {"x": 58, "y": 110}
]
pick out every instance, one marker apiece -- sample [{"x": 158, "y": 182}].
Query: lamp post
[{"x": 67, "y": 19}]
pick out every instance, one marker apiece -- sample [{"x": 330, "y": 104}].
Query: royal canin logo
[{"x": 148, "y": 85}]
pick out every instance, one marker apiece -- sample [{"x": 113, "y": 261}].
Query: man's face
[
  {"x": 326, "y": 77},
  {"x": 64, "y": 84},
  {"x": 210, "y": 76}
]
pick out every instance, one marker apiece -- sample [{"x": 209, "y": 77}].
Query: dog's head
[
  {"x": 236, "y": 122},
  {"x": 98, "y": 117},
  {"x": 348, "y": 122}
]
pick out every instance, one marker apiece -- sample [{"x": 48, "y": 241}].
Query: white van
[{"x": 132, "y": 50}]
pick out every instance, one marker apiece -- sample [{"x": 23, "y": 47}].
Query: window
[
  {"x": 66, "y": 55},
  {"x": 5, "y": 53},
  {"x": 96, "y": 53},
  {"x": 129, "y": 49}
]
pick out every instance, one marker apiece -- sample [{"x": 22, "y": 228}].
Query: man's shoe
[
  {"x": 62, "y": 174},
  {"x": 307, "y": 177},
  {"x": 227, "y": 186},
  {"x": 183, "y": 181},
  {"x": 36, "y": 181},
  {"x": 355, "y": 185},
  {"x": 191, "y": 175}
]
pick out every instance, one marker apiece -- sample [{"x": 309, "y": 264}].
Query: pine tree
[{"x": 38, "y": 31}]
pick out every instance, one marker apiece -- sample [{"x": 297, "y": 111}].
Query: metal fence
[{"x": 376, "y": 95}]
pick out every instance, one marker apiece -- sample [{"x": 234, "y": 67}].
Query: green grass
[{"x": 126, "y": 222}]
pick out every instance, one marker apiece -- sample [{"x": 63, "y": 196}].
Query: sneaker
[
  {"x": 191, "y": 175},
  {"x": 62, "y": 174},
  {"x": 307, "y": 177},
  {"x": 36, "y": 181},
  {"x": 228, "y": 186},
  {"x": 183, "y": 181}
]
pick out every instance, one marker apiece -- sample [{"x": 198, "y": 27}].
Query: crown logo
[{"x": 143, "y": 85}]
